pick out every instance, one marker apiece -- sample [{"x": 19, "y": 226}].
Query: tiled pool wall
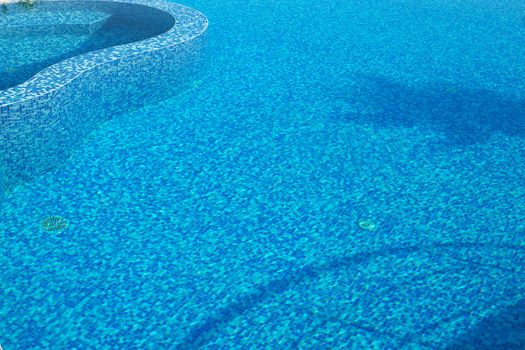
[
  {"x": 19, "y": 21},
  {"x": 43, "y": 119}
]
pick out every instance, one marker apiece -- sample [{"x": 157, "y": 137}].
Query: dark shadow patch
[
  {"x": 504, "y": 331},
  {"x": 464, "y": 115}
]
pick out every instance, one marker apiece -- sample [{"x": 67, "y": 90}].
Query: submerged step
[{"x": 35, "y": 22}]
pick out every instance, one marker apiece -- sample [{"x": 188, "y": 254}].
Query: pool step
[{"x": 34, "y": 22}]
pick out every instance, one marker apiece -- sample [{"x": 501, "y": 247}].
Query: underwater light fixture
[{"x": 367, "y": 225}]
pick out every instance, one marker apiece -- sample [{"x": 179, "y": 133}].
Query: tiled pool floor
[{"x": 226, "y": 217}]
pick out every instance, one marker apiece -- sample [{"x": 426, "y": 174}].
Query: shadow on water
[
  {"x": 503, "y": 331},
  {"x": 463, "y": 115},
  {"x": 203, "y": 332}
]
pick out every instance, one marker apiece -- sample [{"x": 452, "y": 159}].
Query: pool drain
[{"x": 54, "y": 223}]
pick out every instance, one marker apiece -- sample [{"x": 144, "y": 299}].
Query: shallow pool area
[{"x": 342, "y": 175}]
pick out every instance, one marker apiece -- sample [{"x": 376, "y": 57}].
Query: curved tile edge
[{"x": 43, "y": 119}]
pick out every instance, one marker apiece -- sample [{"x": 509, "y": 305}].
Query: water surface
[{"x": 227, "y": 217}]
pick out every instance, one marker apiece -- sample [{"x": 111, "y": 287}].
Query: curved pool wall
[
  {"x": 42, "y": 119},
  {"x": 52, "y": 31}
]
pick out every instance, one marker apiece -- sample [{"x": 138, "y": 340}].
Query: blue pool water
[
  {"x": 47, "y": 33},
  {"x": 226, "y": 217}
]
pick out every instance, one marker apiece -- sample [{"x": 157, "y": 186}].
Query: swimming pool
[{"x": 227, "y": 216}]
